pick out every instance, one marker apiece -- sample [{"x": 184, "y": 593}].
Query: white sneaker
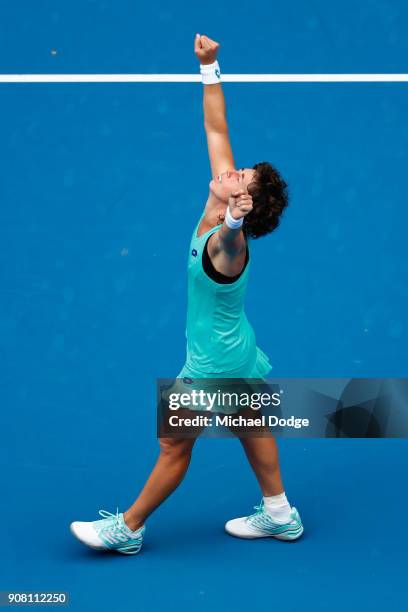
[
  {"x": 110, "y": 533},
  {"x": 261, "y": 525}
]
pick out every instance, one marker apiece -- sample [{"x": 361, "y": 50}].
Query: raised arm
[
  {"x": 227, "y": 246},
  {"x": 215, "y": 118}
]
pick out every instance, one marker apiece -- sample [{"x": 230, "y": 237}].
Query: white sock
[{"x": 277, "y": 506}]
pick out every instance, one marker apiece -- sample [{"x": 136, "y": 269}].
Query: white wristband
[
  {"x": 210, "y": 73},
  {"x": 231, "y": 222}
]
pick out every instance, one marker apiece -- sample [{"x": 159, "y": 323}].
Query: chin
[{"x": 219, "y": 191}]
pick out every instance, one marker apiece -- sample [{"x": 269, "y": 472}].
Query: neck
[{"x": 215, "y": 210}]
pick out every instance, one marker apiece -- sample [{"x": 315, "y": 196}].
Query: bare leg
[
  {"x": 166, "y": 475},
  {"x": 262, "y": 454}
]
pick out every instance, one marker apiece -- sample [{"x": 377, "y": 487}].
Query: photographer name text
[{"x": 237, "y": 421}]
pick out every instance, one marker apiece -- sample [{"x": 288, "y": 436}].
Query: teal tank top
[{"x": 220, "y": 340}]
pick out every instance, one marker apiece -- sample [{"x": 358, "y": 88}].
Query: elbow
[{"x": 217, "y": 126}]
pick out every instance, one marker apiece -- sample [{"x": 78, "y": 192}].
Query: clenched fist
[
  {"x": 205, "y": 49},
  {"x": 240, "y": 204}
]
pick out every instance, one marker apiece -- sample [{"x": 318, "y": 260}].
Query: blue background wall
[{"x": 100, "y": 188}]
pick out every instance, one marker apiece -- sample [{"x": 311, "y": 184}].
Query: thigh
[
  {"x": 181, "y": 424},
  {"x": 247, "y": 424}
]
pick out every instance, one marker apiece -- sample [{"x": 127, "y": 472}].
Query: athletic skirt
[
  {"x": 189, "y": 379},
  {"x": 259, "y": 369}
]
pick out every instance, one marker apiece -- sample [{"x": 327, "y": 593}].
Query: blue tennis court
[{"x": 101, "y": 186}]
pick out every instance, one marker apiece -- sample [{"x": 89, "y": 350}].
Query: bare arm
[
  {"x": 226, "y": 247},
  {"x": 215, "y": 117}
]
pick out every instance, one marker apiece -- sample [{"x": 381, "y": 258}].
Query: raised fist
[
  {"x": 240, "y": 204},
  {"x": 205, "y": 49}
]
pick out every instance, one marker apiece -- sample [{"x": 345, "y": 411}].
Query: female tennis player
[{"x": 242, "y": 204}]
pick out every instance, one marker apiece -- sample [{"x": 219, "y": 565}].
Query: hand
[
  {"x": 205, "y": 49},
  {"x": 240, "y": 204}
]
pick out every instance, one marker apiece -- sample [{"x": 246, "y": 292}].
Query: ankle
[
  {"x": 278, "y": 506},
  {"x": 134, "y": 523}
]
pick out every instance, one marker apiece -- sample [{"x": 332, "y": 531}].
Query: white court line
[{"x": 193, "y": 78}]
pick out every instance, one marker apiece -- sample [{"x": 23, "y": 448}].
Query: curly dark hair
[{"x": 270, "y": 198}]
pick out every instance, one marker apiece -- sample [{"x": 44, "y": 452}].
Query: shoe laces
[
  {"x": 111, "y": 522},
  {"x": 259, "y": 510},
  {"x": 260, "y": 518}
]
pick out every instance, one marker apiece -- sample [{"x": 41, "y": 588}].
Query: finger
[
  {"x": 243, "y": 203},
  {"x": 204, "y": 42},
  {"x": 197, "y": 43},
  {"x": 214, "y": 42},
  {"x": 244, "y": 199}
]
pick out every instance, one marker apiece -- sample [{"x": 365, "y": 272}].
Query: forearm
[
  {"x": 215, "y": 116},
  {"x": 231, "y": 236}
]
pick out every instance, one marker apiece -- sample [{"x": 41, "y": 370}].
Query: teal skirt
[
  {"x": 259, "y": 369},
  {"x": 189, "y": 379}
]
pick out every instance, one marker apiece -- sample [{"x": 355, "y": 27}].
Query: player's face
[{"x": 224, "y": 184}]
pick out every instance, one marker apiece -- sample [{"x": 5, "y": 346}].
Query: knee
[{"x": 173, "y": 447}]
